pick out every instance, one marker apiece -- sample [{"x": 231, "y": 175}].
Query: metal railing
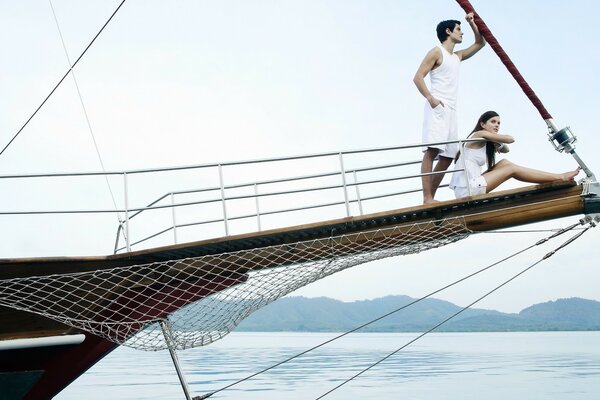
[{"x": 343, "y": 186}]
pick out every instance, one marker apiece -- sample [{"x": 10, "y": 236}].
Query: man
[{"x": 442, "y": 64}]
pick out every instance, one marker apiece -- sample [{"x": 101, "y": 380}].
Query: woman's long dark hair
[{"x": 490, "y": 147}]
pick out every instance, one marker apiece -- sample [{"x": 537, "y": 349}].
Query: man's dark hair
[{"x": 442, "y": 26}]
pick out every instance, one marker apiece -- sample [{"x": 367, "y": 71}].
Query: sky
[{"x": 201, "y": 82}]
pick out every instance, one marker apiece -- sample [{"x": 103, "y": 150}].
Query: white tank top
[
  {"x": 472, "y": 160},
  {"x": 444, "y": 79}
]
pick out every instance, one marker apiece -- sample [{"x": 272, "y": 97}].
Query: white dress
[{"x": 472, "y": 161}]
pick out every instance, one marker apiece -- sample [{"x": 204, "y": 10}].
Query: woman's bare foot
[{"x": 569, "y": 176}]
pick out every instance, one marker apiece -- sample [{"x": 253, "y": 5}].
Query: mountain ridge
[{"x": 323, "y": 314}]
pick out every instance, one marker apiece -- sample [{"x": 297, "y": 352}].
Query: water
[{"x": 491, "y": 366}]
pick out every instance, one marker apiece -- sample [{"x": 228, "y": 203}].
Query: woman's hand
[{"x": 501, "y": 147}]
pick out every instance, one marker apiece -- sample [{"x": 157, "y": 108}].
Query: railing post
[
  {"x": 174, "y": 219},
  {"x": 127, "y": 242},
  {"x": 360, "y": 210},
  {"x": 257, "y": 206},
  {"x": 343, "y": 171},
  {"x": 223, "y": 199}
]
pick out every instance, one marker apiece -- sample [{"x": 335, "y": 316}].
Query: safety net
[{"x": 202, "y": 299}]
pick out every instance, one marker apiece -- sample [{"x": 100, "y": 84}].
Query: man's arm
[
  {"x": 479, "y": 40},
  {"x": 429, "y": 63}
]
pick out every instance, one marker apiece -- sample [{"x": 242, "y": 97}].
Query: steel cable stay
[
  {"x": 546, "y": 256},
  {"x": 537, "y": 243},
  {"x": 85, "y": 113},
  {"x": 528, "y": 230},
  {"x": 63, "y": 78}
]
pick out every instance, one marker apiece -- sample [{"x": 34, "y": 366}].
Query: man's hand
[
  {"x": 433, "y": 102},
  {"x": 479, "y": 40}
]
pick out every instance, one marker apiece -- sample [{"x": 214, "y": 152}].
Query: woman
[{"x": 476, "y": 154}]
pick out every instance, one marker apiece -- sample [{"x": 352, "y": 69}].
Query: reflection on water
[{"x": 494, "y": 366}]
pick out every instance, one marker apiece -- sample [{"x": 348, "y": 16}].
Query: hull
[{"x": 42, "y": 371}]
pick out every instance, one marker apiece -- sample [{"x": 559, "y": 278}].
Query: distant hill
[{"x": 323, "y": 314}]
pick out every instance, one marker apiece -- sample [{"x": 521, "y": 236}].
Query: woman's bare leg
[{"x": 505, "y": 170}]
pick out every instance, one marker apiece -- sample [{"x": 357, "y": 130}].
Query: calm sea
[{"x": 491, "y": 366}]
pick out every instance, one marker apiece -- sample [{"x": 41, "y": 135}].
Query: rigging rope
[
  {"x": 548, "y": 255},
  {"x": 556, "y": 233},
  {"x": 512, "y": 69},
  {"x": 87, "y": 119},
  {"x": 62, "y": 79},
  {"x": 562, "y": 140}
]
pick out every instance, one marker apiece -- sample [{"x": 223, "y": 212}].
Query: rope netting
[{"x": 204, "y": 298}]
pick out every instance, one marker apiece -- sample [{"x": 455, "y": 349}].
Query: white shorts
[
  {"x": 439, "y": 125},
  {"x": 478, "y": 186}
]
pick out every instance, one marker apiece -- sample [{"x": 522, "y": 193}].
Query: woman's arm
[
  {"x": 491, "y": 137},
  {"x": 494, "y": 137}
]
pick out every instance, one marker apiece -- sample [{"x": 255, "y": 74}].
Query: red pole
[
  {"x": 562, "y": 140},
  {"x": 489, "y": 37}
]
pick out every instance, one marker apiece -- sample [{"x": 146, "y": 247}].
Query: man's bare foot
[
  {"x": 569, "y": 176},
  {"x": 430, "y": 201}
]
